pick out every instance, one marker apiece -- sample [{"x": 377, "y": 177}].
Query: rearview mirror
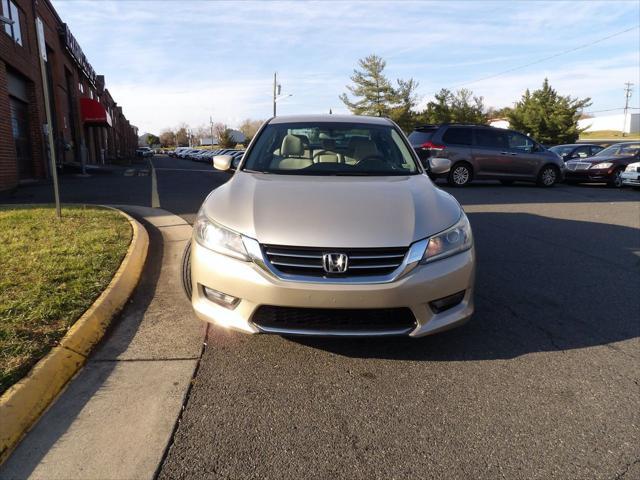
[
  {"x": 222, "y": 162},
  {"x": 439, "y": 165}
]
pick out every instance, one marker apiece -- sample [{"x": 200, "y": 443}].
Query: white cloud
[{"x": 167, "y": 62}]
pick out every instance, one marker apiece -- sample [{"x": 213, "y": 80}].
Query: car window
[
  {"x": 458, "y": 136},
  {"x": 519, "y": 142},
  {"x": 581, "y": 152},
  {"x": 620, "y": 149},
  {"x": 418, "y": 137},
  {"x": 331, "y": 148},
  {"x": 491, "y": 138},
  {"x": 562, "y": 150},
  {"x": 596, "y": 149}
]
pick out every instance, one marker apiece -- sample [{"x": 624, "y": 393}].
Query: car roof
[
  {"x": 331, "y": 118},
  {"x": 577, "y": 145}
]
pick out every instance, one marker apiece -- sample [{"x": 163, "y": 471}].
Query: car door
[
  {"x": 490, "y": 152},
  {"x": 524, "y": 160}
]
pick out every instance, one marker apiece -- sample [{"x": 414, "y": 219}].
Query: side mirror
[
  {"x": 222, "y": 162},
  {"x": 439, "y": 165}
]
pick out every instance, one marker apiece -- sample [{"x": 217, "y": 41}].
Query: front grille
[
  {"x": 638, "y": 169},
  {"x": 308, "y": 261},
  {"x": 334, "y": 320},
  {"x": 573, "y": 166}
]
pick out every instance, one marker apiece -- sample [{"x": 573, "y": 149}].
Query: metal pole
[
  {"x": 211, "y": 123},
  {"x": 627, "y": 95},
  {"x": 47, "y": 109},
  {"x": 275, "y": 82}
]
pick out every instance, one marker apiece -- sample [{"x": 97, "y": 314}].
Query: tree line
[
  {"x": 544, "y": 114},
  {"x": 182, "y": 135}
]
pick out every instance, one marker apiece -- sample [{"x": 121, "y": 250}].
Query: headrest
[
  {"x": 362, "y": 147},
  {"x": 291, "y": 146}
]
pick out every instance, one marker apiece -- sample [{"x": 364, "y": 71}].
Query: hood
[{"x": 338, "y": 212}]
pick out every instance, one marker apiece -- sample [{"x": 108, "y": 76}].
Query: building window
[
  {"x": 80, "y": 87},
  {"x": 10, "y": 10}
]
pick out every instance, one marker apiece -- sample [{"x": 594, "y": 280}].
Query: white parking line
[{"x": 155, "y": 198}]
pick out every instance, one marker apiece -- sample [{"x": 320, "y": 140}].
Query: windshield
[
  {"x": 620, "y": 149},
  {"x": 562, "y": 150},
  {"x": 325, "y": 148}
]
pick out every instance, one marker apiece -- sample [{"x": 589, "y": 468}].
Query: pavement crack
[
  {"x": 132, "y": 360},
  {"x": 75, "y": 351},
  {"x": 627, "y": 466}
]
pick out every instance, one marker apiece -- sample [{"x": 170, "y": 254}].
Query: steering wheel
[
  {"x": 370, "y": 158},
  {"x": 324, "y": 152}
]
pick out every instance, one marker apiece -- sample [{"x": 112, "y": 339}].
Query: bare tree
[
  {"x": 249, "y": 128},
  {"x": 167, "y": 137}
]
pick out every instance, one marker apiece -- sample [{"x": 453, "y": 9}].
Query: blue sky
[{"x": 175, "y": 61}]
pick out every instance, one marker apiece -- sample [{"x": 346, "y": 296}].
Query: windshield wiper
[{"x": 254, "y": 171}]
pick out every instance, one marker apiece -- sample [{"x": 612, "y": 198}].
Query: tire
[
  {"x": 507, "y": 182},
  {"x": 186, "y": 271},
  {"x": 548, "y": 176},
  {"x": 616, "y": 181},
  {"x": 460, "y": 175}
]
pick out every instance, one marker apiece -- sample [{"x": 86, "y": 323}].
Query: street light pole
[
  {"x": 211, "y": 124},
  {"x": 627, "y": 94},
  {"x": 275, "y": 86}
]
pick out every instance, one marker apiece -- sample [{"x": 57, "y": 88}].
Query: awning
[{"x": 93, "y": 113}]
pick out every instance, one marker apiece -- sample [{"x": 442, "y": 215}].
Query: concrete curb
[{"x": 24, "y": 402}]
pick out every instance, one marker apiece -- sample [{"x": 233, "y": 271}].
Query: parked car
[
  {"x": 144, "y": 152},
  {"x": 184, "y": 153},
  {"x": 606, "y": 166},
  {"x": 487, "y": 153},
  {"x": 631, "y": 175},
  {"x": 174, "y": 153},
  {"x": 368, "y": 245},
  {"x": 576, "y": 150}
]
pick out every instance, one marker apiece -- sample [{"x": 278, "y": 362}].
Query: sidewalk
[{"x": 116, "y": 418}]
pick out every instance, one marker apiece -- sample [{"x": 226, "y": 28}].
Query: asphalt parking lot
[{"x": 544, "y": 382}]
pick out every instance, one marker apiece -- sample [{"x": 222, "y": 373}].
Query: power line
[{"x": 555, "y": 55}]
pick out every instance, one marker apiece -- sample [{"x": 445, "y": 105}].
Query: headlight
[
  {"x": 632, "y": 167},
  {"x": 219, "y": 239},
  {"x": 600, "y": 166},
  {"x": 453, "y": 240}
]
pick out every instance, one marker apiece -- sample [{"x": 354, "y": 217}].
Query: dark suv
[{"x": 488, "y": 153}]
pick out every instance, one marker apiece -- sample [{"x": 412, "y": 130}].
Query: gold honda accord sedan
[{"x": 330, "y": 226}]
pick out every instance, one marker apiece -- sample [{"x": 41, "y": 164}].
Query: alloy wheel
[
  {"x": 460, "y": 175},
  {"x": 548, "y": 176},
  {"x": 617, "y": 179}
]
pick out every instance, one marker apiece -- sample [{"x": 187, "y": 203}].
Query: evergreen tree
[
  {"x": 373, "y": 91},
  {"x": 449, "y": 107},
  {"x": 548, "y": 117},
  {"x": 403, "y": 112}
]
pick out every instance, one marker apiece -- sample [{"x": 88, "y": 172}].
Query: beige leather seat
[
  {"x": 359, "y": 148},
  {"x": 292, "y": 154}
]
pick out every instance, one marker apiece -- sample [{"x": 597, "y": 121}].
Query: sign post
[{"x": 47, "y": 107}]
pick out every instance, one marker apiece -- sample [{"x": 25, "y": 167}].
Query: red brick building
[{"x": 88, "y": 126}]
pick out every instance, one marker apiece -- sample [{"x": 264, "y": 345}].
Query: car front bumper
[
  {"x": 589, "y": 175},
  {"x": 254, "y": 287},
  {"x": 630, "y": 178}
]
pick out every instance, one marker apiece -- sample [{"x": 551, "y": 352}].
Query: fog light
[
  {"x": 445, "y": 303},
  {"x": 220, "y": 298}
]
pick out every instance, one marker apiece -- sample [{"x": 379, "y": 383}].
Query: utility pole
[
  {"x": 47, "y": 108},
  {"x": 211, "y": 125},
  {"x": 627, "y": 96},
  {"x": 275, "y": 88}
]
